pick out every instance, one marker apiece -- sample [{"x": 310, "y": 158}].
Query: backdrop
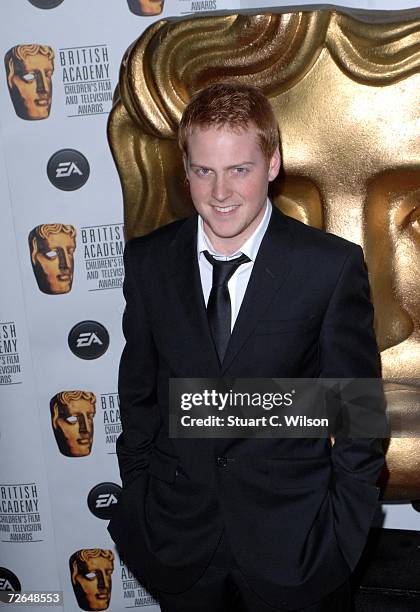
[{"x": 61, "y": 276}]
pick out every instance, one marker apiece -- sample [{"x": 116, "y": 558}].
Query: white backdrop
[{"x": 44, "y": 512}]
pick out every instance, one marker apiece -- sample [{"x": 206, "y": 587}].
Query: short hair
[
  {"x": 62, "y": 399},
  {"x": 234, "y": 106},
  {"x": 41, "y": 232},
  {"x": 18, "y": 54}
]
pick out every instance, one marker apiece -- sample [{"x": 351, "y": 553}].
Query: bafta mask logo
[
  {"x": 146, "y": 8},
  {"x": 29, "y": 70},
  {"x": 72, "y": 414},
  {"x": 91, "y": 576},
  {"x": 52, "y": 247}
]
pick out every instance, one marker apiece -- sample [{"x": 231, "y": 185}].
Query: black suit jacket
[{"x": 296, "y": 511}]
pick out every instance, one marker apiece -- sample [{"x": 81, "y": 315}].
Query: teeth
[{"x": 224, "y": 208}]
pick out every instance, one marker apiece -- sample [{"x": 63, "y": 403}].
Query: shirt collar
[{"x": 249, "y": 248}]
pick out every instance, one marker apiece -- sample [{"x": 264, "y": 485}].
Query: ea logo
[
  {"x": 8, "y": 580},
  {"x": 68, "y": 169},
  {"x": 88, "y": 340},
  {"x": 103, "y": 499},
  {"x": 46, "y": 4}
]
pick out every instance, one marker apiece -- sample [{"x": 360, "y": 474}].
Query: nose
[
  {"x": 101, "y": 580},
  {"x": 83, "y": 427},
  {"x": 41, "y": 84},
  {"x": 221, "y": 189},
  {"x": 64, "y": 260}
]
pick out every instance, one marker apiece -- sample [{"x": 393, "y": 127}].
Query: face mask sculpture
[
  {"x": 29, "y": 70},
  {"x": 91, "y": 577},
  {"x": 146, "y": 8},
  {"x": 72, "y": 414},
  {"x": 52, "y": 247}
]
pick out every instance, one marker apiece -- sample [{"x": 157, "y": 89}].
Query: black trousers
[{"x": 223, "y": 588}]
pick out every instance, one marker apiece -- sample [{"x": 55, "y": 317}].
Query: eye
[
  {"x": 71, "y": 419},
  {"x": 202, "y": 171},
  {"x": 90, "y": 576},
  {"x": 241, "y": 170},
  {"x": 51, "y": 254},
  {"x": 28, "y": 77},
  {"x": 414, "y": 219}
]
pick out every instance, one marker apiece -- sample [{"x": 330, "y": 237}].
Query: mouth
[
  {"x": 63, "y": 277},
  {"x": 225, "y": 210},
  {"x": 42, "y": 101},
  {"x": 102, "y": 596},
  {"x": 83, "y": 441}
]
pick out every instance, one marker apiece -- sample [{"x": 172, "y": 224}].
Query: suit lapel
[
  {"x": 269, "y": 273},
  {"x": 186, "y": 275}
]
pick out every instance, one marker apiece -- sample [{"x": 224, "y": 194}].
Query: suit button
[{"x": 221, "y": 462}]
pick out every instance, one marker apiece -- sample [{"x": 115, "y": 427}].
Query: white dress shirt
[{"x": 239, "y": 280}]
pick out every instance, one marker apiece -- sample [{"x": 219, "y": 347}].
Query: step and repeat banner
[{"x": 61, "y": 277}]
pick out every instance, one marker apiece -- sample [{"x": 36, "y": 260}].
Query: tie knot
[{"x": 223, "y": 270}]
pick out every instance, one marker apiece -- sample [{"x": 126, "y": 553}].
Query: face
[
  {"x": 151, "y": 7},
  {"x": 53, "y": 263},
  {"x": 228, "y": 176},
  {"x": 365, "y": 188},
  {"x": 92, "y": 583},
  {"x": 32, "y": 87},
  {"x": 74, "y": 428}
]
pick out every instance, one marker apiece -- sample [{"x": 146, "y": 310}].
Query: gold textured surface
[{"x": 345, "y": 90}]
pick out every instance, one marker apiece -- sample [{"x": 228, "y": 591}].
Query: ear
[
  {"x": 34, "y": 250},
  {"x": 274, "y": 165},
  {"x": 55, "y": 416},
  {"x": 185, "y": 162},
  {"x": 11, "y": 73},
  {"x": 74, "y": 572}
]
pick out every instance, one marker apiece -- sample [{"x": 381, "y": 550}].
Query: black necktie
[{"x": 218, "y": 306}]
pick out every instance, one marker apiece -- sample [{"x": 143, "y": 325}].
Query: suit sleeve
[
  {"x": 348, "y": 349},
  {"x": 137, "y": 381}
]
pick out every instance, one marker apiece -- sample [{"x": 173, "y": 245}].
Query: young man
[{"x": 241, "y": 524}]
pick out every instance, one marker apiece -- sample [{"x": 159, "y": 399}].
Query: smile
[{"x": 225, "y": 209}]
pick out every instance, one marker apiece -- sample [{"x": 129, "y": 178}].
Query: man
[
  {"x": 29, "y": 70},
  {"x": 72, "y": 414},
  {"x": 52, "y": 247},
  {"x": 241, "y": 524},
  {"x": 91, "y": 577}
]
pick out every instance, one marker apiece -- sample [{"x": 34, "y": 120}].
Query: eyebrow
[{"x": 244, "y": 163}]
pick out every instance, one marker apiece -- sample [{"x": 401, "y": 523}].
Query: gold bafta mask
[
  {"x": 146, "y": 8},
  {"x": 52, "y": 247},
  {"x": 72, "y": 414},
  {"x": 29, "y": 70},
  {"x": 91, "y": 577},
  {"x": 345, "y": 93}
]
